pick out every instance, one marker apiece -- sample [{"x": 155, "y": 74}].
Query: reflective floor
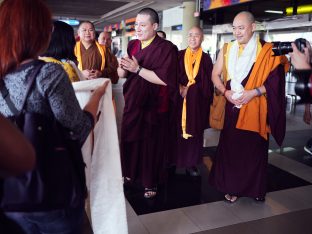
[
  {"x": 183, "y": 190},
  {"x": 189, "y": 205}
]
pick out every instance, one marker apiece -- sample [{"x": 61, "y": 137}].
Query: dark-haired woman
[
  {"x": 52, "y": 95},
  {"x": 61, "y": 50}
]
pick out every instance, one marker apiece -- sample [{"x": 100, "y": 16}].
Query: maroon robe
[
  {"x": 198, "y": 100},
  {"x": 240, "y": 164},
  {"x": 147, "y": 113}
]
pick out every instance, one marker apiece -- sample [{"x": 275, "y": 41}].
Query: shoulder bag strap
[{"x": 6, "y": 95}]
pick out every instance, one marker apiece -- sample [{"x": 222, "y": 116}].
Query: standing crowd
[{"x": 168, "y": 96}]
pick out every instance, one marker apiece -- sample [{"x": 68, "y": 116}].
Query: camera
[{"x": 280, "y": 48}]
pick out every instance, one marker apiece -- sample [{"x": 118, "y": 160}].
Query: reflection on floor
[
  {"x": 189, "y": 205},
  {"x": 295, "y": 139},
  {"x": 183, "y": 190}
]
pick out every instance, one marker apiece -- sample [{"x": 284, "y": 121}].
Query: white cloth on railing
[{"x": 103, "y": 172}]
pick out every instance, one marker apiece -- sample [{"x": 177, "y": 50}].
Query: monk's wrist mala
[
  {"x": 258, "y": 92},
  {"x": 139, "y": 69}
]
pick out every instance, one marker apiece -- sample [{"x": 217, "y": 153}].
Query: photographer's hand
[{"x": 301, "y": 61}]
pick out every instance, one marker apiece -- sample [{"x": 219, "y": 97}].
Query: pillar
[
  {"x": 124, "y": 42},
  {"x": 188, "y": 20}
]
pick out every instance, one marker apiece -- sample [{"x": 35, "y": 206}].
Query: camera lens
[{"x": 280, "y": 48}]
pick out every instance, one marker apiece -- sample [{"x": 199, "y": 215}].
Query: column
[
  {"x": 124, "y": 42},
  {"x": 188, "y": 20}
]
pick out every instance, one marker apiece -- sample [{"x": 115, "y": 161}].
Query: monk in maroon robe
[
  {"x": 149, "y": 92},
  {"x": 196, "y": 92},
  {"x": 255, "y": 107}
]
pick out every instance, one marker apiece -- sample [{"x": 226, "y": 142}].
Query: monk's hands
[
  {"x": 90, "y": 74},
  {"x": 183, "y": 90},
  {"x": 228, "y": 95},
  {"x": 129, "y": 64},
  {"x": 96, "y": 74},
  {"x": 246, "y": 96}
]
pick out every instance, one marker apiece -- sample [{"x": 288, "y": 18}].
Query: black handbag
[{"x": 58, "y": 180}]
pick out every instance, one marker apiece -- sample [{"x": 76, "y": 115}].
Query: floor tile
[
  {"x": 210, "y": 216},
  {"x": 135, "y": 226},
  {"x": 211, "y": 137},
  {"x": 247, "y": 209},
  {"x": 290, "y": 223},
  {"x": 129, "y": 209},
  {"x": 294, "y": 167},
  {"x": 293, "y": 138},
  {"x": 305, "y": 174},
  {"x": 279, "y": 179},
  {"x": 268, "y": 225},
  {"x": 299, "y": 155},
  {"x": 286, "y": 199},
  {"x": 303, "y": 194},
  {"x": 168, "y": 222},
  {"x": 285, "y": 163},
  {"x": 242, "y": 228},
  {"x": 295, "y": 123}
]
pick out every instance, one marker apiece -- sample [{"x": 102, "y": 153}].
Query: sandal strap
[
  {"x": 151, "y": 189},
  {"x": 150, "y": 192}
]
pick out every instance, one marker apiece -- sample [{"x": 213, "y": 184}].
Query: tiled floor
[
  {"x": 290, "y": 223},
  {"x": 287, "y": 209},
  {"x": 183, "y": 190}
]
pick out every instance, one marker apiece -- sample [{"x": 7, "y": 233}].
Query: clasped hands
[
  {"x": 246, "y": 96},
  {"x": 90, "y": 74},
  {"x": 129, "y": 64}
]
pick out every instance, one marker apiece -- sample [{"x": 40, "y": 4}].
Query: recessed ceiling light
[{"x": 274, "y": 12}]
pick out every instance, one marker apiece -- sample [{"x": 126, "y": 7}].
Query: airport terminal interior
[{"x": 188, "y": 204}]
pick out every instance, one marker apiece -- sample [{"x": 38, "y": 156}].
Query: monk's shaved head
[
  {"x": 197, "y": 29},
  {"x": 243, "y": 27},
  {"x": 247, "y": 15},
  {"x": 195, "y": 38}
]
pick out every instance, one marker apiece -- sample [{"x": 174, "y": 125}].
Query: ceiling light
[
  {"x": 274, "y": 12},
  {"x": 72, "y": 22},
  {"x": 303, "y": 9}
]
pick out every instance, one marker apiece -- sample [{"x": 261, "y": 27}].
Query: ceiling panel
[
  {"x": 79, "y": 9},
  {"x": 103, "y": 12}
]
